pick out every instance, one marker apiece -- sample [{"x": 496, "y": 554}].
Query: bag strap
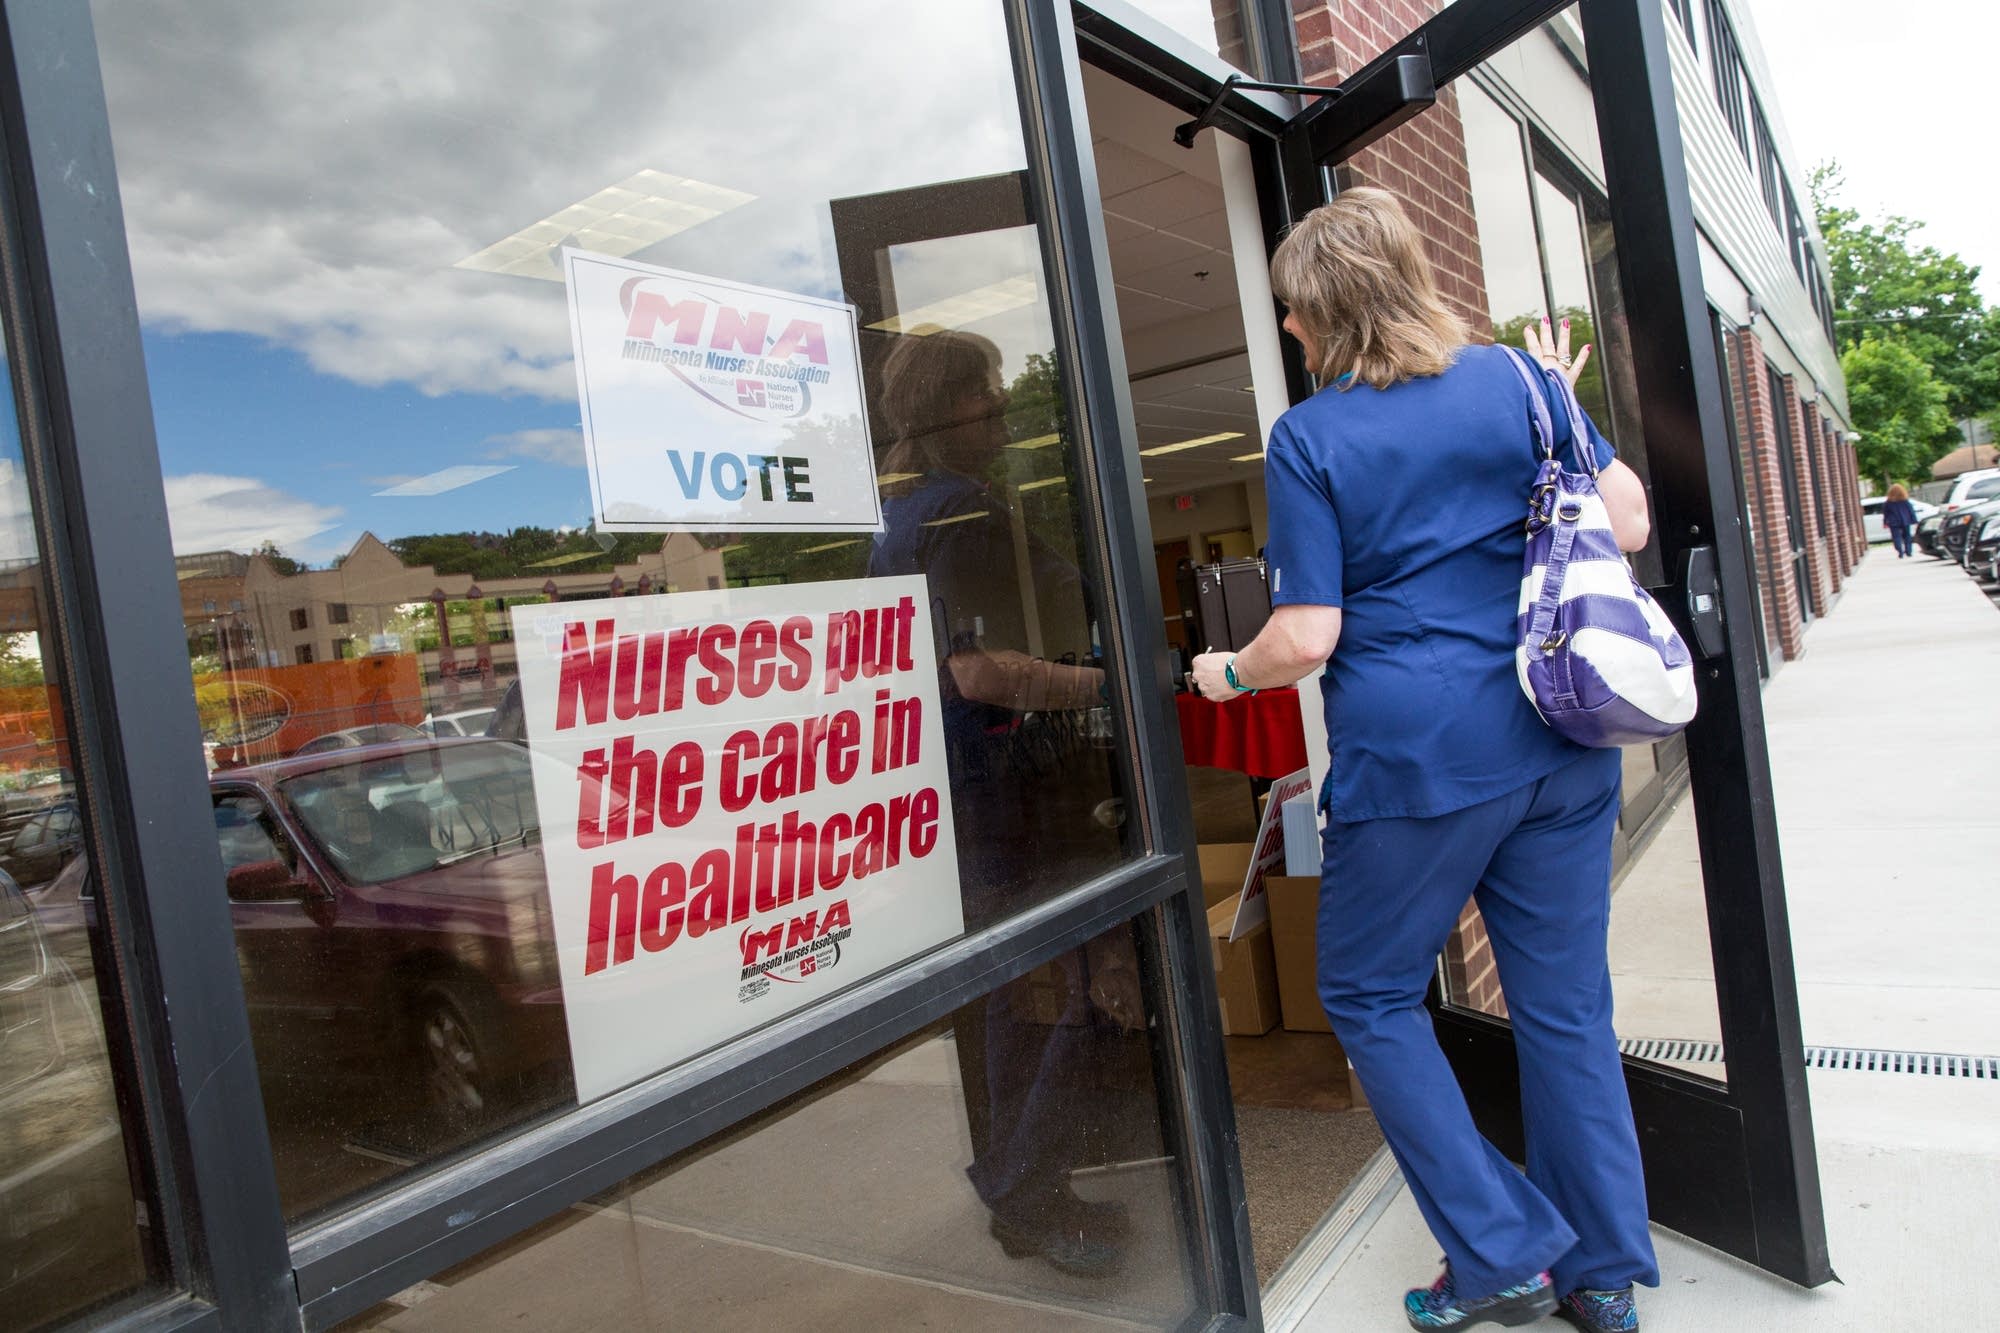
[{"x": 1537, "y": 382}]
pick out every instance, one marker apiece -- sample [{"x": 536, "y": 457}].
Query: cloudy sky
[
  {"x": 305, "y": 187},
  {"x": 1875, "y": 87}
]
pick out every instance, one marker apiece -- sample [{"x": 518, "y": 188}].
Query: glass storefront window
[
  {"x": 1006, "y": 1167},
  {"x": 73, "y": 1235},
  {"x": 503, "y": 680}
]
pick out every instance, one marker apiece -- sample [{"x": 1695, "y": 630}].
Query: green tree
[
  {"x": 1889, "y": 287},
  {"x": 20, "y": 660},
  {"x": 1900, "y": 409}
]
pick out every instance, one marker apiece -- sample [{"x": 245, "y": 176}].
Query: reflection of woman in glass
[{"x": 943, "y": 399}]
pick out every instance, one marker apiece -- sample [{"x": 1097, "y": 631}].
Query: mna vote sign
[
  {"x": 744, "y": 806},
  {"x": 710, "y": 405}
]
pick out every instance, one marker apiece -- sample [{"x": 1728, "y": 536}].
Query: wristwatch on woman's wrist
[{"x": 1229, "y": 675}]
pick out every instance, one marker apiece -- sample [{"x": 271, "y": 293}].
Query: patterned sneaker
[
  {"x": 1601, "y": 1311},
  {"x": 1440, "y": 1306}
]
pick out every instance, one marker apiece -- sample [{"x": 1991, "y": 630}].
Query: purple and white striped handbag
[{"x": 1597, "y": 656}]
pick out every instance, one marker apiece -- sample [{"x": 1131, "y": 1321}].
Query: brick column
[
  {"x": 1757, "y": 433},
  {"x": 1809, "y": 499},
  {"x": 1423, "y": 162}
]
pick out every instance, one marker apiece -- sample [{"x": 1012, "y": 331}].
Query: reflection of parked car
[
  {"x": 1871, "y": 516},
  {"x": 466, "y": 722},
  {"x": 390, "y": 900},
  {"x": 379, "y": 733},
  {"x": 65, "y": 1196},
  {"x": 41, "y": 847}
]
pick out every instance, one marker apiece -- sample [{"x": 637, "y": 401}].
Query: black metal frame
[
  {"x": 111, "y": 557},
  {"x": 88, "y": 432}
]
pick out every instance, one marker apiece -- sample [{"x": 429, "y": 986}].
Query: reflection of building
[{"x": 250, "y": 613}]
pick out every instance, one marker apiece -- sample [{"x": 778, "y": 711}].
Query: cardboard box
[
  {"x": 1223, "y": 867},
  {"x": 1246, "y": 975},
  {"x": 1294, "y": 947}
]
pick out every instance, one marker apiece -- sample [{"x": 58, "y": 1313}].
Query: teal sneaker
[
  {"x": 1440, "y": 1306},
  {"x": 1601, "y": 1311}
]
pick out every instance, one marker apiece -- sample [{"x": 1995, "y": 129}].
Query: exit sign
[{"x": 1183, "y": 503}]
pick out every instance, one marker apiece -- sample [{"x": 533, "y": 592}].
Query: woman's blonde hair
[
  {"x": 928, "y": 379},
  {"x": 1354, "y": 274},
  {"x": 1896, "y": 492}
]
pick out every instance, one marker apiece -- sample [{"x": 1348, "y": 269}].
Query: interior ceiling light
[
  {"x": 1039, "y": 442},
  {"x": 622, "y": 219},
  {"x": 562, "y": 560},
  {"x": 956, "y": 518},
  {"x": 955, "y": 312},
  {"x": 1248, "y": 458},
  {"x": 891, "y": 478},
  {"x": 446, "y": 479},
  {"x": 827, "y": 546},
  {"x": 1037, "y": 485},
  {"x": 1159, "y": 449}
]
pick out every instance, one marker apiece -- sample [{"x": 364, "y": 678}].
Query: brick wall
[
  {"x": 1818, "y": 575},
  {"x": 1423, "y": 162},
  {"x": 1758, "y": 435}
]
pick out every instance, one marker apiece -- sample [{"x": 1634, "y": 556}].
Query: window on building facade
[
  {"x": 336, "y": 613},
  {"x": 830, "y": 376},
  {"x": 1725, "y": 66},
  {"x": 1683, "y": 11},
  {"x": 303, "y": 654}
]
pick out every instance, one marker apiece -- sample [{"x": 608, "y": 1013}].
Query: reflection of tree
[
  {"x": 20, "y": 660},
  {"x": 519, "y": 552},
  {"x": 1582, "y": 332},
  {"x": 801, "y": 557}
]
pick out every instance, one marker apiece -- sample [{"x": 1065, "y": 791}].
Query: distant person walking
[{"x": 1900, "y": 517}]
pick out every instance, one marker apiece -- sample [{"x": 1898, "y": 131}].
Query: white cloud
[
  {"x": 323, "y": 208},
  {"x": 1828, "y": 59},
  {"x": 561, "y": 445},
  {"x": 210, "y": 512}
]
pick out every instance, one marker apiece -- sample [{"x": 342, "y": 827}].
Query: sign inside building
[
  {"x": 710, "y": 405},
  {"x": 743, "y": 803}
]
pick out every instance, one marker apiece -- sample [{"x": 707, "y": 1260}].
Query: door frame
[{"x": 1760, "y": 1197}]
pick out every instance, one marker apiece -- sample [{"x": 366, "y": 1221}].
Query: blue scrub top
[{"x": 1405, "y": 507}]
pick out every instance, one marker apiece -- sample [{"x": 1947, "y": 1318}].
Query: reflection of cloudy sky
[{"x": 300, "y": 181}]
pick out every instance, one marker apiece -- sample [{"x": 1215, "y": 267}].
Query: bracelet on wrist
[{"x": 1229, "y": 675}]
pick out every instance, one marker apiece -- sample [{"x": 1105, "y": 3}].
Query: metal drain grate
[
  {"x": 1852, "y": 1058},
  {"x": 1667, "y": 1048}
]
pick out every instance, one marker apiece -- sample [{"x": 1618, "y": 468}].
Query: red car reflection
[{"x": 391, "y": 915}]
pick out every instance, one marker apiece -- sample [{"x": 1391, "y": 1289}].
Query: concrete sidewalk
[{"x": 1882, "y": 738}]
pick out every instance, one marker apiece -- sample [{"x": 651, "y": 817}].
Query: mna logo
[{"x": 750, "y": 393}]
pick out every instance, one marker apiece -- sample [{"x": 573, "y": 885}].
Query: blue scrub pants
[{"x": 1538, "y": 861}]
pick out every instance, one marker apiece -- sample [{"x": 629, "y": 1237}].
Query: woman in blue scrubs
[{"x": 1397, "y": 496}]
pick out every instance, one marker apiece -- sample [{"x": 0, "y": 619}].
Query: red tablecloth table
[{"x": 1260, "y": 735}]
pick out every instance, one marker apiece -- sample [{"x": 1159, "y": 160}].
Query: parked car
[
  {"x": 1984, "y": 558},
  {"x": 392, "y": 930},
  {"x": 1961, "y": 525},
  {"x": 465, "y": 722},
  {"x": 378, "y": 733},
  {"x": 1971, "y": 487},
  {"x": 391, "y": 915},
  {"x": 1927, "y": 535},
  {"x": 49, "y": 840},
  {"x": 1871, "y": 516}
]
